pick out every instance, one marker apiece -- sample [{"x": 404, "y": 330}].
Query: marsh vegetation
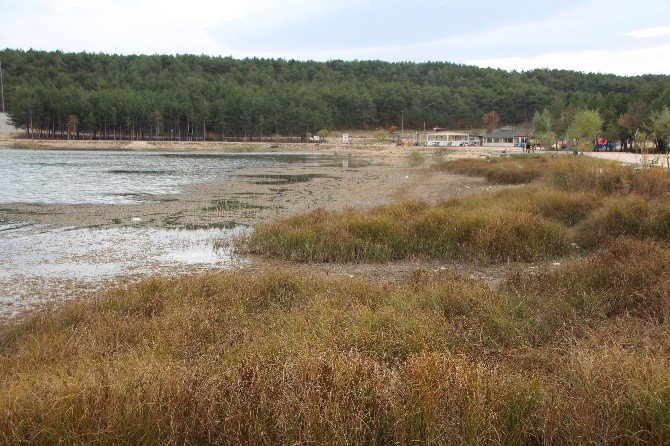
[{"x": 573, "y": 351}]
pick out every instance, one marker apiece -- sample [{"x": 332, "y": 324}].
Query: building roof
[
  {"x": 506, "y": 132},
  {"x": 448, "y": 133}
]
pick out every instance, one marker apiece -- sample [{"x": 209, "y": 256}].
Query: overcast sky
[{"x": 613, "y": 36}]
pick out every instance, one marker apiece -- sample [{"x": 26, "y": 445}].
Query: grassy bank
[
  {"x": 278, "y": 358},
  {"x": 574, "y": 351},
  {"x": 451, "y": 230},
  {"x": 570, "y": 203},
  {"x": 564, "y": 172}
]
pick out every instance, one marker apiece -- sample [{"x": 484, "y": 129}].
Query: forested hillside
[{"x": 164, "y": 96}]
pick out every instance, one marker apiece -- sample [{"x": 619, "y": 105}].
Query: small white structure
[
  {"x": 345, "y": 138},
  {"x": 447, "y": 139}
]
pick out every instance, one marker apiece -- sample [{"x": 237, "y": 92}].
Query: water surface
[
  {"x": 118, "y": 177},
  {"x": 36, "y": 257}
]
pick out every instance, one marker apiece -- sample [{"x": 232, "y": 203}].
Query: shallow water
[
  {"x": 118, "y": 177},
  {"x": 40, "y": 267},
  {"x": 103, "y": 253},
  {"x": 35, "y": 257}
]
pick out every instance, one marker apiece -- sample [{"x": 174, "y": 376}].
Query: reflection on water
[
  {"x": 99, "y": 253},
  {"x": 115, "y": 177},
  {"x": 33, "y": 257}
]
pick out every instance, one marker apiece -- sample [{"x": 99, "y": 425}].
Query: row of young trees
[
  {"x": 634, "y": 129},
  {"x": 180, "y": 97}
]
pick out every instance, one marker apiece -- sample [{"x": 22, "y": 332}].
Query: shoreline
[
  {"x": 370, "y": 149},
  {"x": 388, "y": 178},
  {"x": 244, "y": 199}
]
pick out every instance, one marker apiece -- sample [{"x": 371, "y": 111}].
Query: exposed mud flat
[{"x": 60, "y": 251}]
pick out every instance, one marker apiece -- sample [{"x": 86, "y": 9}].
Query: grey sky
[{"x": 615, "y": 36}]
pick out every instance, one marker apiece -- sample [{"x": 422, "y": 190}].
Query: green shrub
[
  {"x": 416, "y": 158},
  {"x": 381, "y": 135}
]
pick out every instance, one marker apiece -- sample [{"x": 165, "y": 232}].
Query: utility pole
[
  {"x": 402, "y": 123},
  {"x": 2, "y": 88}
]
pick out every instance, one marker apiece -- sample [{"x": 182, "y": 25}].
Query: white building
[{"x": 449, "y": 139}]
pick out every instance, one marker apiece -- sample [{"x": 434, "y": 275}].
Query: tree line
[{"x": 102, "y": 96}]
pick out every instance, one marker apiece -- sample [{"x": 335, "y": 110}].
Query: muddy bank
[
  {"x": 254, "y": 195},
  {"x": 126, "y": 242}
]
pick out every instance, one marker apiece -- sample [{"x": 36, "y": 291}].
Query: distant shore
[{"x": 365, "y": 148}]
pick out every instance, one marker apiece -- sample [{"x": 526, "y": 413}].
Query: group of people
[{"x": 528, "y": 148}]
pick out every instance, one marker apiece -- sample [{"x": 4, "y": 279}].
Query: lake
[
  {"x": 36, "y": 256},
  {"x": 117, "y": 177}
]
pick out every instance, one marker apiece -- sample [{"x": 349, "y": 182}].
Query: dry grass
[
  {"x": 626, "y": 277},
  {"x": 566, "y": 173},
  {"x": 280, "y": 359},
  {"x": 450, "y": 230},
  {"x": 577, "y": 200},
  {"x": 631, "y": 215},
  {"x": 506, "y": 170},
  {"x": 576, "y": 353}
]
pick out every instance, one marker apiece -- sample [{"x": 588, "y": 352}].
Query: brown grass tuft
[
  {"x": 277, "y": 358},
  {"x": 408, "y": 230}
]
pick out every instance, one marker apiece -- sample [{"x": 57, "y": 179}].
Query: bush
[
  {"x": 416, "y": 158},
  {"x": 381, "y": 135},
  {"x": 587, "y": 174},
  {"x": 566, "y": 208},
  {"x": 631, "y": 215},
  {"x": 288, "y": 357},
  {"x": 618, "y": 216},
  {"x": 568, "y": 173},
  {"x": 499, "y": 170}
]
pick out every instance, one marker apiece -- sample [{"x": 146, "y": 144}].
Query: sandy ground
[
  {"x": 362, "y": 147},
  {"x": 632, "y": 158}
]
